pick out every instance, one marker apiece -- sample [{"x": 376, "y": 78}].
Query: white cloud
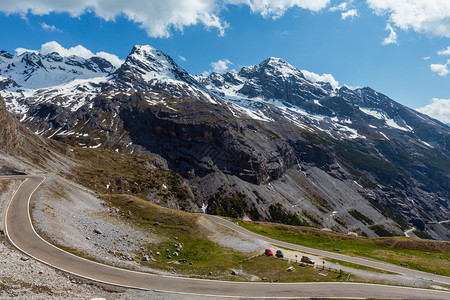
[
  {"x": 221, "y": 66},
  {"x": 321, "y": 78},
  {"x": 438, "y": 109},
  {"x": 112, "y": 58},
  {"x": 426, "y": 58},
  {"x": 19, "y": 51},
  {"x": 441, "y": 69},
  {"x": 424, "y": 16},
  {"x": 47, "y": 27},
  {"x": 352, "y": 13},
  {"x": 155, "y": 16},
  {"x": 347, "y": 9},
  {"x": 182, "y": 58},
  {"x": 444, "y": 52},
  {"x": 55, "y": 47},
  {"x": 158, "y": 17},
  {"x": 392, "y": 38},
  {"x": 340, "y": 7},
  {"x": 77, "y": 50},
  {"x": 276, "y": 8}
]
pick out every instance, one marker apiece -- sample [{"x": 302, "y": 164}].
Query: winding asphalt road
[
  {"x": 333, "y": 255},
  {"x": 23, "y": 236}
]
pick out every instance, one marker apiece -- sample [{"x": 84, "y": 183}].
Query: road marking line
[{"x": 7, "y": 207}]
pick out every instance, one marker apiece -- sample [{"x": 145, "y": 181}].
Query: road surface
[
  {"x": 22, "y": 235},
  {"x": 407, "y": 232},
  {"x": 333, "y": 255}
]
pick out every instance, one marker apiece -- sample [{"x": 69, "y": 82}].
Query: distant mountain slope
[
  {"x": 362, "y": 110},
  {"x": 149, "y": 69},
  {"x": 21, "y": 150},
  {"x": 32, "y": 70},
  {"x": 351, "y": 160},
  {"x": 9, "y": 132}
]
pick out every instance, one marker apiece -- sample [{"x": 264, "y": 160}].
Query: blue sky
[{"x": 398, "y": 47}]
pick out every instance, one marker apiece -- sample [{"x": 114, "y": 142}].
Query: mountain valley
[{"x": 264, "y": 143}]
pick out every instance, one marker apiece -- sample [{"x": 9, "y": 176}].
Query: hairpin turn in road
[{"x": 22, "y": 235}]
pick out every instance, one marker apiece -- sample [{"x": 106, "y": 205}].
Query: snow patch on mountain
[
  {"x": 279, "y": 67},
  {"x": 79, "y": 51},
  {"x": 34, "y": 70},
  {"x": 71, "y": 95},
  {"x": 147, "y": 68},
  {"x": 383, "y": 116},
  {"x": 151, "y": 63},
  {"x": 374, "y": 113},
  {"x": 266, "y": 92},
  {"x": 241, "y": 111}
]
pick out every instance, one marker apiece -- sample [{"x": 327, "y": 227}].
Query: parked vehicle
[
  {"x": 279, "y": 254},
  {"x": 307, "y": 260},
  {"x": 268, "y": 252}
]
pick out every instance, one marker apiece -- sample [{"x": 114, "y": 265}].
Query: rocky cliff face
[
  {"x": 22, "y": 150},
  {"x": 351, "y": 160},
  {"x": 9, "y": 133}
]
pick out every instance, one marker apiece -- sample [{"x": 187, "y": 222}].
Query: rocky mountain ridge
[
  {"x": 276, "y": 82},
  {"x": 9, "y": 136},
  {"x": 21, "y": 151},
  {"x": 248, "y": 140},
  {"x": 35, "y": 70}
]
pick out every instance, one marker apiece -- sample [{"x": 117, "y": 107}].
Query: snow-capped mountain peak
[
  {"x": 147, "y": 68},
  {"x": 5, "y": 54},
  {"x": 265, "y": 121},
  {"x": 274, "y": 67},
  {"x": 54, "y": 57},
  {"x": 273, "y": 80},
  {"x": 149, "y": 63},
  {"x": 281, "y": 66},
  {"x": 34, "y": 70},
  {"x": 146, "y": 52},
  {"x": 256, "y": 91}
]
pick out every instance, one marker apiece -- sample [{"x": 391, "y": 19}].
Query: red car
[{"x": 268, "y": 252}]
